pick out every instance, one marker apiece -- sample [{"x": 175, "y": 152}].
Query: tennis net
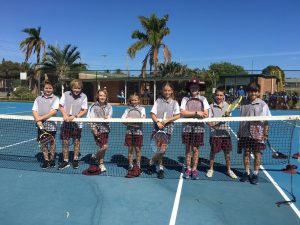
[{"x": 18, "y": 145}]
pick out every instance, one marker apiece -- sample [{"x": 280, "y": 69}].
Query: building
[{"x": 292, "y": 85}]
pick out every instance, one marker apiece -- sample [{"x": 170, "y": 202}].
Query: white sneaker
[
  {"x": 102, "y": 168},
  {"x": 209, "y": 173},
  {"x": 231, "y": 174}
]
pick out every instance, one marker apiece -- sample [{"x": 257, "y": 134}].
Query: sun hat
[
  {"x": 92, "y": 170},
  {"x": 195, "y": 80}
]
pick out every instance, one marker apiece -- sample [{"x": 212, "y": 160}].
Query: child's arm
[{"x": 156, "y": 120}]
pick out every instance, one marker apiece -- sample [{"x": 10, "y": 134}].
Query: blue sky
[{"x": 253, "y": 34}]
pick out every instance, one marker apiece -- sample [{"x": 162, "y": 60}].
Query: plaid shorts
[
  {"x": 220, "y": 143},
  {"x": 194, "y": 139},
  {"x": 250, "y": 143},
  {"x": 138, "y": 140},
  {"x": 70, "y": 130},
  {"x": 101, "y": 139}
]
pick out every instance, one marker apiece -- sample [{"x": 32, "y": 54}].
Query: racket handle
[{"x": 165, "y": 116}]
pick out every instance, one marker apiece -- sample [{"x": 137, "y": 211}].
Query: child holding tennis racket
[
  {"x": 194, "y": 106},
  {"x": 100, "y": 109},
  {"x": 134, "y": 134},
  {"x": 73, "y": 104},
  {"x": 219, "y": 133},
  {"x": 44, "y": 107},
  {"x": 163, "y": 113},
  {"x": 253, "y": 134}
]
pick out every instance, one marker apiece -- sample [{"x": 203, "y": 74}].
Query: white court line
[
  {"x": 279, "y": 189},
  {"x": 7, "y": 146},
  {"x": 286, "y": 198},
  {"x": 176, "y": 201}
]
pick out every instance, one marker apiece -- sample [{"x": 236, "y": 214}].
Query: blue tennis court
[{"x": 32, "y": 196}]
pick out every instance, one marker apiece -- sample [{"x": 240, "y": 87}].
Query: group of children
[{"x": 73, "y": 104}]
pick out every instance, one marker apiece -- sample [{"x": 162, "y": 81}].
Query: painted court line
[
  {"x": 176, "y": 201},
  {"x": 286, "y": 198},
  {"x": 7, "y": 146}
]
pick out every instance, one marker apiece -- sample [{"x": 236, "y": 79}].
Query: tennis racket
[
  {"x": 45, "y": 138},
  {"x": 194, "y": 105},
  {"x": 233, "y": 106},
  {"x": 134, "y": 127},
  {"x": 160, "y": 139},
  {"x": 276, "y": 154}
]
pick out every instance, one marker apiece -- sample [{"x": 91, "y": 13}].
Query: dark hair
[
  {"x": 47, "y": 82},
  {"x": 221, "y": 89},
  {"x": 253, "y": 86}
]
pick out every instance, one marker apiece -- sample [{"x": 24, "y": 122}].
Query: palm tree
[
  {"x": 155, "y": 30},
  {"x": 36, "y": 44},
  {"x": 61, "y": 64}
]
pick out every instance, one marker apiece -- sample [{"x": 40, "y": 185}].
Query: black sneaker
[
  {"x": 63, "y": 165},
  {"x": 52, "y": 163},
  {"x": 161, "y": 174},
  {"x": 75, "y": 164},
  {"x": 45, "y": 165},
  {"x": 151, "y": 169},
  {"x": 245, "y": 177},
  {"x": 254, "y": 179}
]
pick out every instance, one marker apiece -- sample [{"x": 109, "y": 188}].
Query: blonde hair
[
  {"x": 104, "y": 90},
  {"x": 76, "y": 82},
  {"x": 133, "y": 96},
  {"x": 171, "y": 86}
]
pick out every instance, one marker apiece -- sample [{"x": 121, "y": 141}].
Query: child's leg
[
  {"x": 247, "y": 160},
  {"x": 45, "y": 153},
  {"x": 101, "y": 153},
  {"x": 188, "y": 156},
  {"x": 130, "y": 157},
  {"x": 211, "y": 160},
  {"x": 76, "y": 148},
  {"x": 66, "y": 150},
  {"x": 227, "y": 159},
  {"x": 138, "y": 156},
  {"x": 195, "y": 158},
  {"x": 52, "y": 150},
  {"x": 257, "y": 161}
]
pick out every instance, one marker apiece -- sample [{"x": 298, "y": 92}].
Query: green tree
[
  {"x": 278, "y": 72},
  {"x": 155, "y": 30},
  {"x": 33, "y": 43},
  {"x": 226, "y": 68},
  {"x": 62, "y": 64}
]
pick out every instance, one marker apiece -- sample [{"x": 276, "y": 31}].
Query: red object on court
[
  {"x": 290, "y": 168},
  {"x": 296, "y": 155}
]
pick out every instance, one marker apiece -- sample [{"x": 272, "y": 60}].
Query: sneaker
[
  {"x": 63, "y": 165},
  {"x": 195, "y": 175},
  {"x": 151, "y": 169},
  {"x": 187, "y": 174},
  {"x": 75, "y": 164},
  {"x": 52, "y": 163},
  {"x": 254, "y": 179},
  {"x": 161, "y": 174},
  {"x": 231, "y": 174},
  {"x": 45, "y": 165},
  {"x": 209, "y": 173},
  {"x": 102, "y": 167},
  {"x": 245, "y": 177}
]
